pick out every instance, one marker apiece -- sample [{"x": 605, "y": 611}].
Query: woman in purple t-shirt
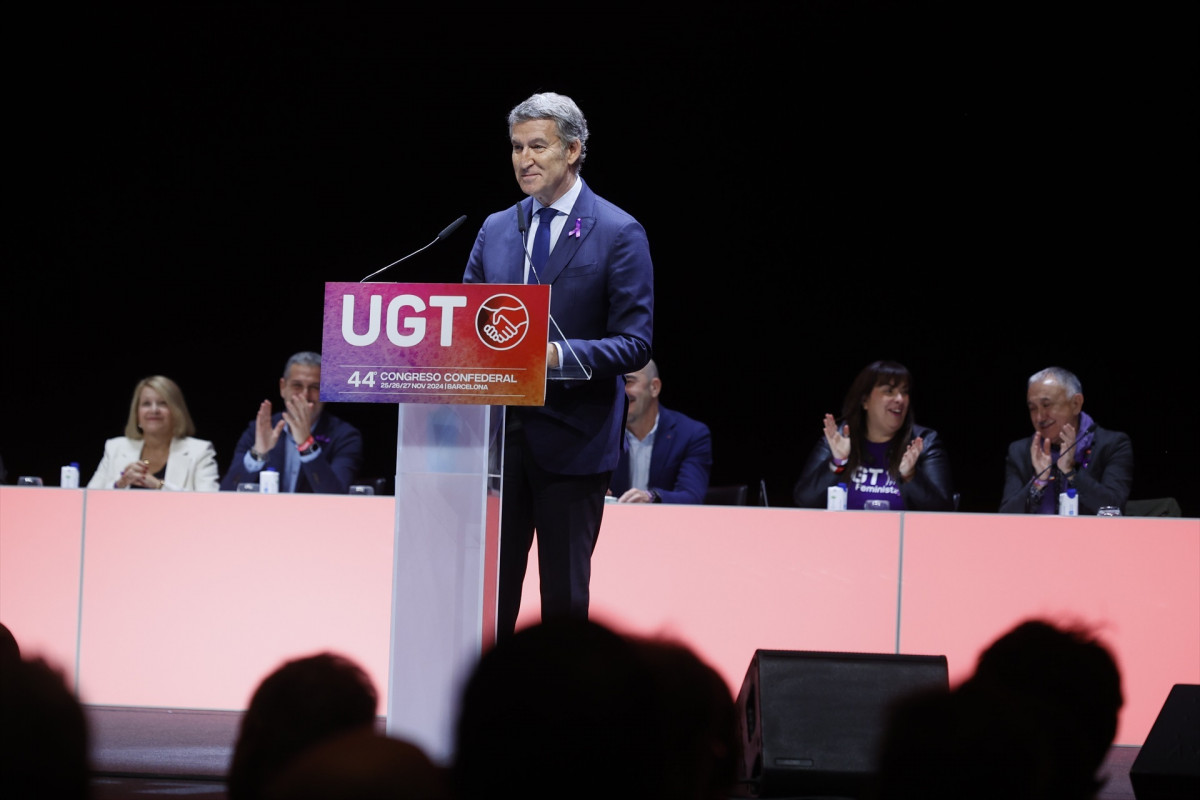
[{"x": 877, "y": 450}]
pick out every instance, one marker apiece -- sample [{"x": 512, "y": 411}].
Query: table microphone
[
  {"x": 446, "y": 231},
  {"x": 1053, "y": 461}
]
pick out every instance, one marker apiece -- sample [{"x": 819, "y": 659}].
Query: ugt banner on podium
[{"x": 435, "y": 343}]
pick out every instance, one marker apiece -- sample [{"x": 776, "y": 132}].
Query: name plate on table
[{"x": 480, "y": 343}]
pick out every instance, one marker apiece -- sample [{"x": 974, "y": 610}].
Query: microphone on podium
[
  {"x": 524, "y": 231},
  {"x": 564, "y": 370},
  {"x": 446, "y": 231}
]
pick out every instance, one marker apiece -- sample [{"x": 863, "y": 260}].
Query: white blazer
[{"x": 191, "y": 465}]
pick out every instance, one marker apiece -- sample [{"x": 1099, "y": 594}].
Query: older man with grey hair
[
  {"x": 1067, "y": 450},
  {"x": 559, "y": 457}
]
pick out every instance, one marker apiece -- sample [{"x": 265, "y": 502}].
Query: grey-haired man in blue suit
[{"x": 559, "y": 457}]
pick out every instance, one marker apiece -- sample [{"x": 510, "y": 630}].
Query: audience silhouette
[
  {"x": 301, "y": 703},
  {"x": 44, "y": 736},
  {"x": 1074, "y": 687},
  {"x": 361, "y": 765},
  {"x": 696, "y": 722},
  {"x": 1035, "y": 720},
  {"x": 572, "y": 708},
  {"x": 978, "y": 742},
  {"x": 9, "y": 649}
]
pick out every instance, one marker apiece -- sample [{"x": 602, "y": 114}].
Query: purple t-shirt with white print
[{"x": 871, "y": 480}]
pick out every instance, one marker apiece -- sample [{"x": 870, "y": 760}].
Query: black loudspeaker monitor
[
  {"x": 810, "y": 722},
  {"x": 1168, "y": 765}
]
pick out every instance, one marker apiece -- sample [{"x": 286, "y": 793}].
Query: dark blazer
[
  {"x": 1106, "y": 481},
  {"x": 929, "y": 490},
  {"x": 602, "y": 297},
  {"x": 331, "y": 472},
  {"x": 680, "y": 463}
]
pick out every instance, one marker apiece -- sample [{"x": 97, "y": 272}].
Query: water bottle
[
  {"x": 1068, "y": 503},
  {"x": 835, "y": 499},
  {"x": 70, "y": 476},
  {"x": 268, "y": 481}
]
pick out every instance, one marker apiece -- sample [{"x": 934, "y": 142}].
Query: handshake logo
[{"x": 502, "y": 322}]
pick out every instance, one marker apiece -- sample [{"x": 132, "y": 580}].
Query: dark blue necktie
[{"x": 541, "y": 244}]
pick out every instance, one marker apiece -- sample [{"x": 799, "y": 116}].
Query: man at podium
[{"x": 559, "y": 457}]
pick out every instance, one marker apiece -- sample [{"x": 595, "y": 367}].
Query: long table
[{"x": 184, "y": 600}]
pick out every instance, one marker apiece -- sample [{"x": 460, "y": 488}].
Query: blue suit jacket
[
  {"x": 331, "y": 472},
  {"x": 602, "y": 297},
  {"x": 680, "y": 463}
]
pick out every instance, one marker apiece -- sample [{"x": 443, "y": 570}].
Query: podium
[{"x": 452, "y": 357}]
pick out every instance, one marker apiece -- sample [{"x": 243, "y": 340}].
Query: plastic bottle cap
[{"x": 1071, "y": 492}]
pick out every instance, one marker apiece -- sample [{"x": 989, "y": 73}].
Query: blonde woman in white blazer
[{"x": 158, "y": 450}]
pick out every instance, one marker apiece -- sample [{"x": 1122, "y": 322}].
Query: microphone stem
[
  {"x": 449, "y": 229},
  {"x": 397, "y": 261}
]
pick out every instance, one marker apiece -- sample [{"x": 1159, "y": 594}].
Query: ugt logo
[{"x": 502, "y": 322}]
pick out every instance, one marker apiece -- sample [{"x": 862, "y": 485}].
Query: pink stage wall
[{"x": 188, "y": 600}]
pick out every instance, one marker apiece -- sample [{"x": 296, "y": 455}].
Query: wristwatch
[{"x": 655, "y": 497}]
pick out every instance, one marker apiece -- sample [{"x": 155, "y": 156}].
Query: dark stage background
[{"x": 976, "y": 190}]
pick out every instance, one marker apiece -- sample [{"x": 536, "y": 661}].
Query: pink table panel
[
  {"x": 970, "y": 578},
  {"x": 191, "y": 599},
  {"x": 188, "y": 601},
  {"x": 39, "y": 571},
  {"x": 731, "y": 580}
]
